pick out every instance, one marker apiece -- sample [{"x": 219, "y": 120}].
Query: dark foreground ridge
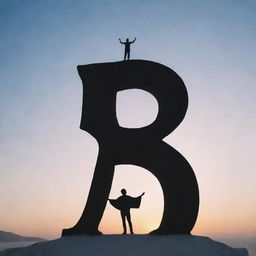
[{"x": 128, "y": 245}]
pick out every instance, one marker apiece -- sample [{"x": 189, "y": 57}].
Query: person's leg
[
  {"x": 125, "y": 53},
  {"x": 128, "y": 55},
  {"x": 128, "y": 216},
  {"x": 123, "y": 220}
]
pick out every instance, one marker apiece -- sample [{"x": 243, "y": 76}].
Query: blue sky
[{"x": 46, "y": 158}]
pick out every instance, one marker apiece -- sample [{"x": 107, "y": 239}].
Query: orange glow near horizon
[{"x": 211, "y": 221}]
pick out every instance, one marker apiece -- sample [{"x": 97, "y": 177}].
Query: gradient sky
[{"x": 47, "y": 162}]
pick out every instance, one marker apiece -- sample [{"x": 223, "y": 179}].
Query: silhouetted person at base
[
  {"x": 127, "y": 48},
  {"x": 124, "y": 203}
]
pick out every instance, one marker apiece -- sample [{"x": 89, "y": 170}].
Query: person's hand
[{"x": 143, "y": 194}]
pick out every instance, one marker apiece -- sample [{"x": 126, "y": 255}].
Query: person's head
[
  {"x": 123, "y": 191},
  {"x": 127, "y": 39}
]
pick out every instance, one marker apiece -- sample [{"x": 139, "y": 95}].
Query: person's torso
[
  {"x": 127, "y": 45},
  {"x": 125, "y": 202}
]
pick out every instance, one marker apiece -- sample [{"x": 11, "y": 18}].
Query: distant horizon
[{"x": 109, "y": 234}]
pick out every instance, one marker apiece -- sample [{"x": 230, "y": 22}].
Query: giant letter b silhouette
[{"x": 143, "y": 147}]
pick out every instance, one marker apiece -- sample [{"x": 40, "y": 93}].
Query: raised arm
[
  {"x": 120, "y": 41},
  {"x": 142, "y": 194},
  {"x": 134, "y": 40}
]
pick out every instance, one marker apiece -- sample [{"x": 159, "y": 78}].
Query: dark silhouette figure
[
  {"x": 143, "y": 147},
  {"x": 127, "y": 48},
  {"x": 124, "y": 203}
]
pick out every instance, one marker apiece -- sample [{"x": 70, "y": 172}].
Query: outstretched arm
[
  {"x": 134, "y": 40},
  {"x": 120, "y": 41}
]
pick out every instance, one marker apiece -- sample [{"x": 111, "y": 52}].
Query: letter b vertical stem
[{"x": 97, "y": 198}]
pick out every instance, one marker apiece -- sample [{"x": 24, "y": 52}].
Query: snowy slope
[{"x": 128, "y": 245}]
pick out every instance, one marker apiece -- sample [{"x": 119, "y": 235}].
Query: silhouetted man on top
[
  {"x": 124, "y": 203},
  {"x": 127, "y": 48}
]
